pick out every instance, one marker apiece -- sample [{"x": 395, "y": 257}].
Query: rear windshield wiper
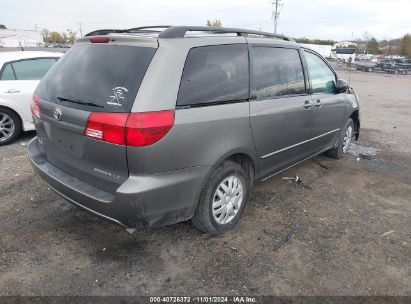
[{"x": 91, "y": 104}]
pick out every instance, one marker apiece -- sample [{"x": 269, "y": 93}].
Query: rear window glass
[
  {"x": 97, "y": 78},
  {"x": 214, "y": 74},
  {"x": 32, "y": 69},
  {"x": 277, "y": 72}
]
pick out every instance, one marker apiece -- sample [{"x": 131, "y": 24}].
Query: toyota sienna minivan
[{"x": 155, "y": 125}]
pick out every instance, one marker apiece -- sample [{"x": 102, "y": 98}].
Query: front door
[{"x": 328, "y": 105}]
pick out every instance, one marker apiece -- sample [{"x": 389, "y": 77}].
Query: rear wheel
[
  {"x": 10, "y": 126},
  {"x": 344, "y": 141},
  {"x": 222, "y": 200}
]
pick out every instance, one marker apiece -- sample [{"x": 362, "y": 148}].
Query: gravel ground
[{"x": 351, "y": 221}]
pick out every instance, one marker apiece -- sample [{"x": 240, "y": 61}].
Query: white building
[
  {"x": 323, "y": 50},
  {"x": 20, "y": 38},
  {"x": 345, "y": 44}
]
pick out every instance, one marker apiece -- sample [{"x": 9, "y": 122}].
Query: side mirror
[{"x": 341, "y": 86}]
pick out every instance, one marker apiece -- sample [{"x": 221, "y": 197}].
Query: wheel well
[
  {"x": 17, "y": 114},
  {"x": 247, "y": 163},
  {"x": 355, "y": 116}
]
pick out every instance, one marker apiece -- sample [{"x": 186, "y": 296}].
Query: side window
[
  {"x": 8, "y": 73},
  {"x": 277, "y": 72},
  {"x": 321, "y": 76},
  {"x": 214, "y": 74},
  {"x": 32, "y": 69}
]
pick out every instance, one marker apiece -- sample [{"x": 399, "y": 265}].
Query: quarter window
[
  {"x": 277, "y": 72},
  {"x": 321, "y": 76},
  {"x": 32, "y": 69},
  {"x": 8, "y": 73},
  {"x": 215, "y": 74}
]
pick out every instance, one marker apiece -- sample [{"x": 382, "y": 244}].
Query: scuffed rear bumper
[{"x": 149, "y": 200}]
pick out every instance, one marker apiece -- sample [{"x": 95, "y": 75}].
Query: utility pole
[
  {"x": 276, "y": 13},
  {"x": 80, "y": 28}
]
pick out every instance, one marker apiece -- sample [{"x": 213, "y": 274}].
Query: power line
[{"x": 276, "y": 13}]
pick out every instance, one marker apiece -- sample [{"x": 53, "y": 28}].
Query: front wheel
[
  {"x": 222, "y": 200},
  {"x": 10, "y": 126},
  {"x": 344, "y": 141}
]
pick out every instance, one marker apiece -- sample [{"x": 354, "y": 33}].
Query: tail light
[
  {"x": 145, "y": 129},
  {"x": 35, "y": 106},
  {"x": 108, "y": 127},
  {"x": 135, "y": 129}
]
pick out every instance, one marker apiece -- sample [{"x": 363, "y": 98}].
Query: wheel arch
[
  {"x": 355, "y": 116},
  {"x": 243, "y": 157}
]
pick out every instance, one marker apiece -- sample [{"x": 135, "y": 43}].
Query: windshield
[{"x": 97, "y": 78}]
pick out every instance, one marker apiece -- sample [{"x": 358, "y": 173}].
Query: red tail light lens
[
  {"x": 108, "y": 127},
  {"x": 35, "y": 106},
  {"x": 135, "y": 129},
  {"x": 144, "y": 129}
]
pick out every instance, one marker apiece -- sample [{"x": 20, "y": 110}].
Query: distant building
[
  {"x": 345, "y": 44},
  {"x": 20, "y": 38}
]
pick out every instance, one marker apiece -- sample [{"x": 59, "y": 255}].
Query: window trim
[
  {"x": 252, "y": 80},
  {"x": 19, "y": 60},
  {"x": 2, "y": 71},
  {"x": 215, "y": 103},
  {"x": 311, "y": 92}
]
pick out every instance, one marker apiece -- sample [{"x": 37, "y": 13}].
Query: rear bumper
[{"x": 149, "y": 200}]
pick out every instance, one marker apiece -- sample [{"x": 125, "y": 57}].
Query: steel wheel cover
[{"x": 227, "y": 200}]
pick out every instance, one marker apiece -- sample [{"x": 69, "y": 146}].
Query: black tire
[
  {"x": 203, "y": 218},
  {"x": 338, "y": 151},
  {"x": 17, "y": 126}
]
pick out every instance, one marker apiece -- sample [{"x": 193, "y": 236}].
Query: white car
[{"x": 20, "y": 72}]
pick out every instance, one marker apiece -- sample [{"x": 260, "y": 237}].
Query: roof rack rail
[
  {"x": 142, "y": 29},
  {"x": 180, "y": 31}
]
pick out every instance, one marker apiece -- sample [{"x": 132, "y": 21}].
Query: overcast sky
[{"x": 325, "y": 19}]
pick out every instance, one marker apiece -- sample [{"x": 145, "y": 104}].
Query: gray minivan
[{"x": 155, "y": 125}]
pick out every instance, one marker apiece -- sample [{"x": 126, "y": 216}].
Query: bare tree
[{"x": 214, "y": 23}]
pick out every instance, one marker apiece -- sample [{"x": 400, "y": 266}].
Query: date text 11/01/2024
[{"x": 203, "y": 299}]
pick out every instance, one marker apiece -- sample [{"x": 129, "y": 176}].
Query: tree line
[
  {"x": 58, "y": 38},
  {"x": 370, "y": 45}
]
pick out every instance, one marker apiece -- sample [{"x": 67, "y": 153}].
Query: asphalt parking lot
[{"x": 350, "y": 218}]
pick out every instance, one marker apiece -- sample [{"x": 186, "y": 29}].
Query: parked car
[
  {"x": 20, "y": 72},
  {"x": 396, "y": 66},
  {"x": 146, "y": 128}
]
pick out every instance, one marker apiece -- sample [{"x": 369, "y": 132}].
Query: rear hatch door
[{"x": 91, "y": 79}]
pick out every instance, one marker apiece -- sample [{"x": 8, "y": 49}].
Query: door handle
[
  {"x": 307, "y": 105},
  {"x": 318, "y": 103},
  {"x": 12, "y": 91}
]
